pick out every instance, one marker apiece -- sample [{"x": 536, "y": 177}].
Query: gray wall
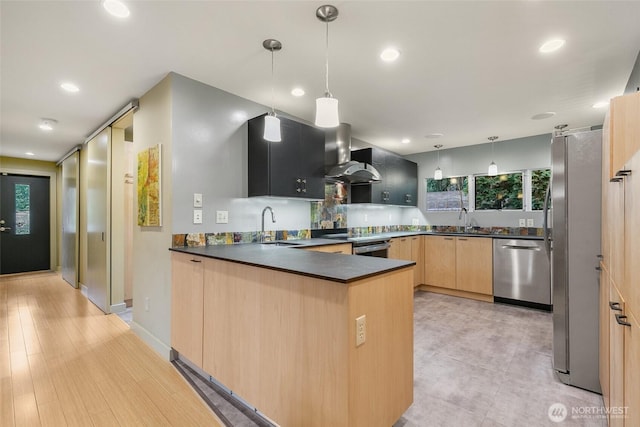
[
  {"x": 633, "y": 85},
  {"x": 511, "y": 155},
  {"x": 209, "y": 132}
]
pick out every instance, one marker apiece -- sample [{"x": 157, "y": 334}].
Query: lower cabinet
[
  {"x": 632, "y": 370},
  {"x": 409, "y": 248},
  {"x": 616, "y": 356},
  {"x": 187, "y": 293},
  {"x": 460, "y": 263}
]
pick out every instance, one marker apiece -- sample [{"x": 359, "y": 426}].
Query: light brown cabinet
[
  {"x": 187, "y": 287},
  {"x": 461, "y": 263},
  {"x": 625, "y": 130},
  {"x": 341, "y": 248},
  {"x": 620, "y": 350},
  {"x": 409, "y": 248},
  {"x": 440, "y": 261}
]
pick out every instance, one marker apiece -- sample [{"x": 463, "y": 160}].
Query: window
[
  {"x": 23, "y": 207},
  {"x": 503, "y": 191},
  {"x": 447, "y": 194},
  {"x": 539, "y": 182}
]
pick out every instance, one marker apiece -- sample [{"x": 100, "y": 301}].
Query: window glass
[
  {"x": 539, "y": 182},
  {"x": 23, "y": 207},
  {"x": 447, "y": 194},
  {"x": 503, "y": 191}
]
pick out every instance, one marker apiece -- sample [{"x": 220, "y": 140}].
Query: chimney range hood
[{"x": 339, "y": 166}]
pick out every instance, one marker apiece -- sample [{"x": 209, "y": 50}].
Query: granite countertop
[
  {"x": 392, "y": 234},
  {"x": 321, "y": 265}
]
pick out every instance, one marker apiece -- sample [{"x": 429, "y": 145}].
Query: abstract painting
[{"x": 149, "y": 187}]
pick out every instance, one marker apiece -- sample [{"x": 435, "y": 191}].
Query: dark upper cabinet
[
  {"x": 399, "y": 184},
  {"x": 293, "y": 167}
]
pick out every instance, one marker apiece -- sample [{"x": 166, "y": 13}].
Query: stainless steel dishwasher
[{"x": 521, "y": 273}]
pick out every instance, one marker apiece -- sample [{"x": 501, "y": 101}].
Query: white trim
[
  {"x": 118, "y": 308},
  {"x": 161, "y": 348},
  {"x": 84, "y": 290}
]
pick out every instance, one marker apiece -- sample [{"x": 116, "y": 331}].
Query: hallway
[{"x": 63, "y": 362}]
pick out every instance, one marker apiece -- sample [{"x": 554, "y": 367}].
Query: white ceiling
[{"x": 468, "y": 69}]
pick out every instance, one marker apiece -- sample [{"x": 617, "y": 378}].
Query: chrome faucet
[
  {"x": 466, "y": 218},
  {"x": 273, "y": 219}
]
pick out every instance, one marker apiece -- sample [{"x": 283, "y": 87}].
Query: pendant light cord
[
  {"x": 326, "y": 62},
  {"x": 273, "y": 90}
]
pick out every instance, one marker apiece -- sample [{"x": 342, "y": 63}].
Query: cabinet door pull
[
  {"x": 622, "y": 320},
  {"x": 463, "y": 239},
  {"x": 623, "y": 172},
  {"x": 615, "y": 306},
  {"x": 448, "y": 238},
  {"x": 195, "y": 260},
  {"x": 616, "y": 179},
  {"x": 599, "y": 268}
]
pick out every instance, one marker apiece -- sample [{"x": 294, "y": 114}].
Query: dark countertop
[
  {"x": 390, "y": 235},
  {"x": 321, "y": 265}
]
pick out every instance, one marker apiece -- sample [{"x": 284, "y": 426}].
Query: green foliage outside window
[
  {"x": 499, "y": 192},
  {"x": 23, "y": 207},
  {"x": 448, "y": 194},
  {"x": 539, "y": 182}
]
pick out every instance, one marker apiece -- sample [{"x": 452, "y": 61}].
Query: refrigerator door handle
[{"x": 545, "y": 221}]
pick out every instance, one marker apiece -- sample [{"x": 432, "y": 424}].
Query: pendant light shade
[
  {"x": 272, "y": 128},
  {"x": 327, "y": 112},
  {"x": 493, "y": 168},
  {"x": 271, "y": 121},
  {"x": 327, "y": 106},
  {"x": 437, "y": 174}
]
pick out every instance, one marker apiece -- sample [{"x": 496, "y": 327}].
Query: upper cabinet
[
  {"x": 293, "y": 167},
  {"x": 625, "y": 131},
  {"x": 399, "y": 184}
]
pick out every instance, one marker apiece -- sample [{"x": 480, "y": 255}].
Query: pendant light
[
  {"x": 493, "y": 168},
  {"x": 271, "y": 122},
  {"x": 437, "y": 175},
  {"x": 327, "y": 106}
]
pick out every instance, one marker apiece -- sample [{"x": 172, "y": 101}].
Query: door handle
[
  {"x": 615, "y": 306},
  {"x": 622, "y": 320}
]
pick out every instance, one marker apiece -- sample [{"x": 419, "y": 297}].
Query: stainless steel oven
[{"x": 375, "y": 248}]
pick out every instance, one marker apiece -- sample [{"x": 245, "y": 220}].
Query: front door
[{"x": 24, "y": 223}]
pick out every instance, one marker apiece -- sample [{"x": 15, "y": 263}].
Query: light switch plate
[
  {"x": 197, "y": 216},
  {"x": 530, "y": 222},
  {"x": 197, "y": 200},
  {"x": 222, "y": 217},
  {"x": 522, "y": 222}
]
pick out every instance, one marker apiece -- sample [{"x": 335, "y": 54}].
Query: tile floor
[{"x": 486, "y": 365}]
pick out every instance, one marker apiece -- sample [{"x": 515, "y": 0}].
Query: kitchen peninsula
[{"x": 281, "y": 327}]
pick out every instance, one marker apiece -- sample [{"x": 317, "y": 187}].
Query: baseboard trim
[
  {"x": 118, "y": 308},
  {"x": 161, "y": 348},
  {"x": 455, "y": 293},
  {"x": 84, "y": 290}
]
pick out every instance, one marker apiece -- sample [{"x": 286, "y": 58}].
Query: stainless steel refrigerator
[{"x": 572, "y": 239}]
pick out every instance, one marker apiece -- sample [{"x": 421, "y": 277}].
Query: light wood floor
[{"x": 63, "y": 362}]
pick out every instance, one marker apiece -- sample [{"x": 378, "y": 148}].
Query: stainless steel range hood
[{"x": 338, "y": 163}]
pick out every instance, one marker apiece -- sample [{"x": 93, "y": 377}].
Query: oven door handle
[{"x": 370, "y": 248}]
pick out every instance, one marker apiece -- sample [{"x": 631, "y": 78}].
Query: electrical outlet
[
  {"x": 361, "y": 330},
  {"x": 197, "y": 216},
  {"x": 366, "y": 218},
  {"x": 197, "y": 200},
  {"x": 222, "y": 217},
  {"x": 415, "y": 221},
  {"x": 530, "y": 222},
  {"x": 522, "y": 222},
  {"x": 146, "y": 303}
]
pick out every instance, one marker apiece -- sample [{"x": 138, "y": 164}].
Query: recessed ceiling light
[
  {"x": 434, "y": 135},
  {"x": 390, "y": 54},
  {"x": 542, "y": 116},
  {"x": 29, "y": 153},
  {"x": 69, "y": 87},
  {"x": 297, "y": 91},
  {"x": 601, "y": 104},
  {"x": 552, "y": 45},
  {"x": 116, "y": 8},
  {"x": 405, "y": 140},
  {"x": 47, "y": 124}
]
